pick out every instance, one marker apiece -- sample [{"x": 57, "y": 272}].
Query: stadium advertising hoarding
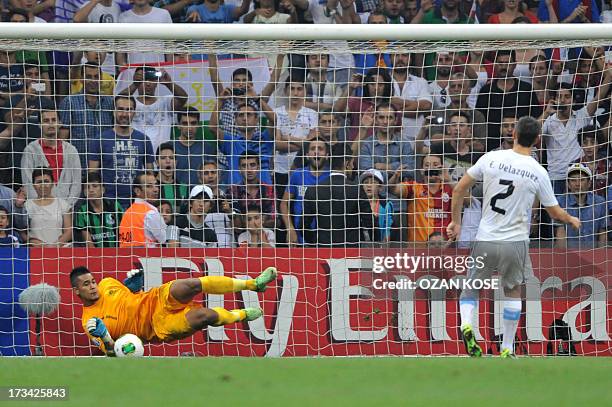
[{"x": 334, "y": 302}]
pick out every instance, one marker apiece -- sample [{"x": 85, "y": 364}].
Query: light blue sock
[{"x": 512, "y": 314}]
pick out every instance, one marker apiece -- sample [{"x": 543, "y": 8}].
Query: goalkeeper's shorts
[{"x": 169, "y": 321}]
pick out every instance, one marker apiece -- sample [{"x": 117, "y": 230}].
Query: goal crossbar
[{"x": 282, "y": 37}]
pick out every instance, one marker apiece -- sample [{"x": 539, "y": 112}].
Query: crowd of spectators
[{"x": 335, "y": 149}]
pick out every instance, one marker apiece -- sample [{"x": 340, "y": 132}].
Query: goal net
[{"x": 330, "y": 153}]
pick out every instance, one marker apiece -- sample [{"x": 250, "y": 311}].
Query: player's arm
[
  {"x": 460, "y": 191},
  {"x": 96, "y": 328},
  {"x": 559, "y": 214}
]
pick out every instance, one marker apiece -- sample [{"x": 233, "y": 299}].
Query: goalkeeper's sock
[
  {"x": 512, "y": 314},
  {"x": 228, "y": 317},
  {"x": 222, "y": 285},
  {"x": 466, "y": 308}
]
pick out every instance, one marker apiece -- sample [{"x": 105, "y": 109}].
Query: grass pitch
[{"x": 317, "y": 381}]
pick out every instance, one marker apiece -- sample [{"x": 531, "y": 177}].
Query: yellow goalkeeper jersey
[{"x": 122, "y": 311}]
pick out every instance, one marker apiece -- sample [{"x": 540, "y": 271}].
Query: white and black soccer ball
[{"x": 129, "y": 345}]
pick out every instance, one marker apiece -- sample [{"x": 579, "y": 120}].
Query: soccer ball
[{"x": 129, "y": 346}]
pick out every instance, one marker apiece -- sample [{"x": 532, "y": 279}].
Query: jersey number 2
[{"x": 502, "y": 195}]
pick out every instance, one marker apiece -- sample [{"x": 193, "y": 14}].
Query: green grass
[{"x": 317, "y": 381}]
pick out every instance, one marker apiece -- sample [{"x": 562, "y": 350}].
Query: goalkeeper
[{"x": 162, "y": 314}]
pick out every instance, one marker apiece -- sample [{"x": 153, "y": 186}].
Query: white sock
[
  {"x": 466, "y": 307},
  {"x": 512, "y": 314}
]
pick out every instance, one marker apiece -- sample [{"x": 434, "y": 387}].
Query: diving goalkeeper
[{"x": 162, "y": 314}]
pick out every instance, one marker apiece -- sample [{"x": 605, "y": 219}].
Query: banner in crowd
[
  {"x": 194, "y": 78},
  {"x": 327, "y": 303}
]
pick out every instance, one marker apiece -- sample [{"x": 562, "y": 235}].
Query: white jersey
[{"x": 511, "y": 181}]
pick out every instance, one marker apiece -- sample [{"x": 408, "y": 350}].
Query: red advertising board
[{"x": 325, "y": 302}]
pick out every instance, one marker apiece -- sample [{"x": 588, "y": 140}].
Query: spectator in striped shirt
[
  {"x": 429, "y": 201},
  {"x": 96, "y": 218},
  {"x": 193, "y": 224}
]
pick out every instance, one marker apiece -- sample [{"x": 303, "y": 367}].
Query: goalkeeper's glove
[
  {"x": 96, "y": 327},
  {"x": 135, "y": 280}
]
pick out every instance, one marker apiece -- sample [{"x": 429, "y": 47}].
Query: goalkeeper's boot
[
  {"x": 507, "y": 354},
  {"x": 264, "y": 278},
  {"x": 469, "y": 340},
  {"x": 253, "y": 313}
]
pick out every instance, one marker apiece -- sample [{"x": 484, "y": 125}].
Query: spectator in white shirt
[
  {"x": 50, "y": 218},
  {"x": 439, "y": 86},
  {"x": 322, "y": 89},
  {"x": 411, "y": 96},
  {"x": 295, "y": 124},
  {"x": 154, "y": 115},
  {"x": 561, "y": 127}
]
